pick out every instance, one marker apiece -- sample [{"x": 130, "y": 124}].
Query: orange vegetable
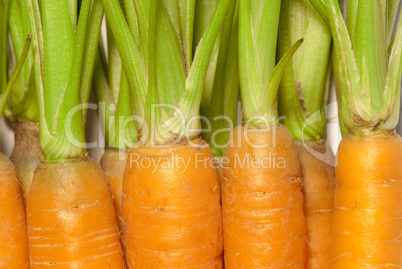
[
  {"x": 113, "y": 163},
  {"x": 367, "y": 212},
  {"x": 13, "y": 233},
  {"x": 264, "y": 225},
  {"x": 171, "y": 205},
  {"x": 70, "y": 215},
  {"x": 318, "y": 191}
]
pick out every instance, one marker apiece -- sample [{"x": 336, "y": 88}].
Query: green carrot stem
[
  {"x": 4, "y": 94},
  {"x": 131, "y": 57},
  {"x": 220, "y": 123},
  {"x": 259, "y": 98},
  {"x": 91, "y": 46},
  {"x": 123, "y": 132},
  {"x": 4, "y": 9},
  {"x": 367, "y": 76},
  {"x": 304, "y": 86},
  {"x": 186, "y": 14}
]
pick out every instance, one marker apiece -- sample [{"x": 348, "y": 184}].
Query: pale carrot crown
[
  {"x": 155, "y": 41},
  {"x": 367, "y": 62},
  {"x": 259, "y": 78},
  {"x": 64, "y": 50},
  {"x": 303, "y": 94}
]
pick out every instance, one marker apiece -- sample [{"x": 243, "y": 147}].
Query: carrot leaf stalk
[
  {"x": 305, "y": 84},
  {"x": 58, "y": 89},
  {"x": 166, "y": 87},
  {"x": 259, "y": 78},
  {"x": 220, "y": 95},
  {"x": 6, "y": 92},
  {"x": 368, "y": 77}
]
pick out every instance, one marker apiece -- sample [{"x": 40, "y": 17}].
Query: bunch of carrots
[{"x": 214, "y": 115}]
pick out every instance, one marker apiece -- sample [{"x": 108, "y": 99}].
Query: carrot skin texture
[
  {"x": 318, "y": 192},
  {"x": 263, "y": 220},
  {"x": 113, "y": 163},
  {"x": 13, "y": 233},
  {"x": 367, "y": 211},
  {"x": 27, "y": 154},
  {"x": 71, "y": 219},
  {"x": 173, "y": 213}
]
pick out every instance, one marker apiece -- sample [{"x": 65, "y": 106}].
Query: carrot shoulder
[
  {"x": 368, "y": 213},
  {"x": 171, "y": 205},
  {"x": 13, "y": 233},
  {"x": 262, "y": 202},
  {"x": 70, "y": 215},
  {"x": 318, "y": 190}
]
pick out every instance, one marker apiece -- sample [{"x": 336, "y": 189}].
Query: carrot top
[
  {"x": 23, "y": 103},
  {"x": 259, "y": 78},
  {"x": 304, "y": 89},
  {"x": 63, "y": 51},
  {"x": 221, "y": 88},
  {"x": 166, "y": 87},
  {"x": 6, "y": 85},
  {"x": 367, "y": 63},
  {"x": 113, "y": 95}
]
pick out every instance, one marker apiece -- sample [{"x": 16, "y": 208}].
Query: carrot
[
  {"x": 173, "y": 214},
  {"x": 13, "y": 235},
  {"x": 367, "y": 223},
  {"x": 70, "y": 214},
  {"x": 262, "y": 204},
  {"x": 170, "y": 187},
  {"x": 318, "y": 189},
  {"x": 72, "y": 228},
  {"x": 367, "y": 212},
  {"x": 26, "y": 154},
  {"x": 302, "y": 97},
  {"x": 113, "y": 163},
  {"x": 264, "y": 225}
]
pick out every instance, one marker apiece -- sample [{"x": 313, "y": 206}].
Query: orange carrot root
[
  {"x": 264, "y": 225},
  {"x": 71, "y": 219},
  {"x": 27, "y": 153},
  {"x": 13, "y": 233},
  {"x": 113, "y": 163},
  {"x": 318, "y": 191},
  {"x": 171, "y": 205},
  {"x": 367, "y": 231}
]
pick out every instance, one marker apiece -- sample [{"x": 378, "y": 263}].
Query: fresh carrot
[
  {"x": 13, "y": 234},
  {"x": 303, "y": 95},
  {"x": 264, "y": 225},
  {"x": 113, "y": 163},
  {"x": 173, "y": 215},
  {"x": 70, "y": 214},
  {"x": 23, "y": 106},
  {"x": 367, "y": 224},
  {"x": 14, "y": 249},
  {"x": 318, "y": 175},
  {"x": 170, "y": 191}
]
